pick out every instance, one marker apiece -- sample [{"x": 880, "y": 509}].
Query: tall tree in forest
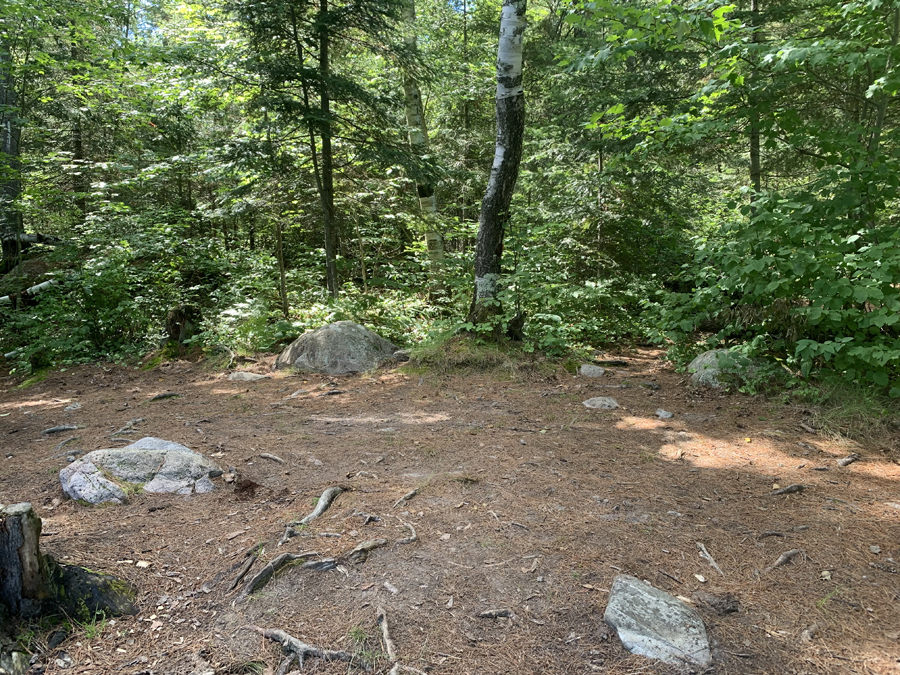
[
  {"x": 505, "y": 168},
  {"x": 418, "y": 139},
  {"x": 10, "y": 135}
]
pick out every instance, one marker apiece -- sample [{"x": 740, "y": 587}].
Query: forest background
[{"x": 695, "y": 175}]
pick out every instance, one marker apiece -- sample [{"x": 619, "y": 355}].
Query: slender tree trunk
[
  {"x": 505, "y": 169},
  {"x": 327, "y": 157},
  {"x": 755, "y": 170},
  {"x": 279, "y": 252},
  {"x": 10, "y": 137},
  {"x": 418, "y": 140},
  {"x": 80, "y": 184}
]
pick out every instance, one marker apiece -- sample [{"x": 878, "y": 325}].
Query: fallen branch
[
  {"x": 412, "y": 538},
  {"x": 783, "y": 559},
  {"x": 361, "y": 552},
  {"x": 789, "y": 490},
  {"x": 274, "y": 458},
  {"x": 34, "y": 290},
  {"x": 496, "y": 614},
  {"x": 706, "y": 556},
  {"x": 848, "y": 460},
  {"x": 405, "y": 498},
  {"x": 302, "y": 650},
  {"x": 771, "y": 533},
  {"x": 321, "y": 506},
  {"x": 242, "y": 572},
  {"x": 129, "y": 426}
]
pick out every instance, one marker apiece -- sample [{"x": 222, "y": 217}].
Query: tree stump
[
  {"x": 24, "y": 574},
  {"x": 32, "y": 583}
]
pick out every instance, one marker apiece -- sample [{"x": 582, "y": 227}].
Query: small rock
[
  {"x": 64, "y": 661},
  {"x": 664, "y": 414},
  {"x": 875, "y": 549},
  {"x": 56, "y": 638},
  {"x": 601, "y": 403},
  {"x": 652, "y": 623},
  {"x": 244, "y": 376},
  {"x": 721, "y": 604},
  {"x": 652, "y": 386},
  {"x": 588, "y": 370},
  {"x": 72, "y": 406},
  {"x": 809, "y": 633}
]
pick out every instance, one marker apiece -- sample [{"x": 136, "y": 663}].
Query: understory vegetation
[{"x": 693, "y": 175}]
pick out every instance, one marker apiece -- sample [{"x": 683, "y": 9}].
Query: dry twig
[
  {"x": 706, "y": 556},
  {"x": 270, "y": 456}
]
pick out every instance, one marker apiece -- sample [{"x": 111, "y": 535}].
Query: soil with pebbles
[{"x": 527, "y": 501}]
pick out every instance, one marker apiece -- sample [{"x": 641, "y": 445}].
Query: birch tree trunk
[
  {"x": 505, "y": 169},
  {"x": 418, "y": 140}
]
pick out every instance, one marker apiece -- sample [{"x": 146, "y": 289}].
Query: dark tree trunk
[
  {"x": 505, "y": 169},
  {"x": 327, "y": 157},
  {"x": 10, "y": 137},
  {"x": 755, "y": 170}
]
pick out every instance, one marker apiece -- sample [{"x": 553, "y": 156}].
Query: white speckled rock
[
  {"x": 601, "y": 403},
  {"x": 244, "y": 376},
  {"x": 154, "y": 464},
  {"x": 338, "y": 348},
  {"x": 652, "y": 623},
  {"x": 705, "y": 368}
]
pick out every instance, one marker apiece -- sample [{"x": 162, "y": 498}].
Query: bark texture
[
  {"x": 418, "y": 140},
  {"x": 505, "y": 169},
  {"x": 10, "y": 136}
]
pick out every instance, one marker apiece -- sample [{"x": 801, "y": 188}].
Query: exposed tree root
[
  {"x": 412, "y": 538},
  {"x": 301, "y": 650},
  {"x": 783, "y": 559},
  {"x": 788, "y": 490},
  {"x": 129, "y": 427},
  {"x": 264, "y": 576},
  {"x": 390, "y": 648},
  {"x": 321, "y": 506},
  {"x": 405, "y": 498},
  {"x": 361, "y": 552}
]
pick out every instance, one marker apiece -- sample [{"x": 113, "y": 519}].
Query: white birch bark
[{"x": 505, "y": 168}]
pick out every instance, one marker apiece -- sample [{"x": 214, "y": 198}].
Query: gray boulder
[
  {"x": 150, "y": 463},
  {"x": 336, "y": 349},
  {"x": 601, "y": 403},
  {"x": 705, "y": 369},
  {"x": 652, "y": 623},
  {"x": 590, "y": 370}
]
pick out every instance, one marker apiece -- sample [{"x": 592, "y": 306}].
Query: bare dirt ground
[{"x": 527, "y": 501}]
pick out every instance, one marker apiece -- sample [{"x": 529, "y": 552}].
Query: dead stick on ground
[
  {"x": 242, "y": 572},
  {"x": 303, "y": 650},
  {"x": 784, "y": 559},
  {"x": 405, "y": 498},
  {"x": 848, "y": 460},
  {"x": 270, "y": 456},
  {"x": 706, "y": 556},
  {"x": 321, "y": 506}
]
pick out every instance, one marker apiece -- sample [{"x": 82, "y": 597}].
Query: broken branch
[
  {"x": 270, "y": 456},
  {"x": 706, "y": 556}
]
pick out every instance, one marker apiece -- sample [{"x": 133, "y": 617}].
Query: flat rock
[
  {"x": 601, "y": 403},
  {"x": 152, "y": 464},
  {"x": 652, "y": 623},
  {"x": 244, "y": 376},
  {"x": 664, "y": 414},
  {"x": 590, "y": 370},
  {"x": 338, "y": 348}
]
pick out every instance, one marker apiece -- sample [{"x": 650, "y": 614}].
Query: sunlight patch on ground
[{"x": 12, "y": 405}]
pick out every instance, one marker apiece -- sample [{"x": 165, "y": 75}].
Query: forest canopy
[{"x": 697, "y": 175}]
